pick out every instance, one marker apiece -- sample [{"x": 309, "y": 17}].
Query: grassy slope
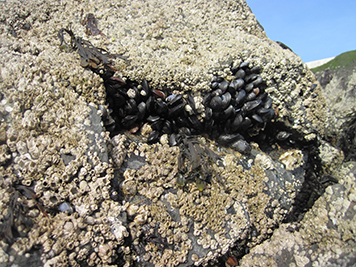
[{"x": 345, "y": 60}]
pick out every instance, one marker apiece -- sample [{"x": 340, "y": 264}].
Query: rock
[
  {"x": 326, "y": 235},
  {"x": 128, "y": 207},
  {"x": 337, "y": 79},
  {"x": 185, "y": 225},
  {"x": 330, "y": 156}
]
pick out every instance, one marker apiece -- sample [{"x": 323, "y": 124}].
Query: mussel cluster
[{"x": 236, "y": 108}]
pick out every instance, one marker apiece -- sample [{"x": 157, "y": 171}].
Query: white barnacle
[
  {"x": 264, "y": 161},
  {"x": 292, "y": 159},
  {"x": 131, "y": 93},
  {"x": 189, "y": 109},
  {"x": 119, "y": 231},
  {"x": 21, "y": 147}
]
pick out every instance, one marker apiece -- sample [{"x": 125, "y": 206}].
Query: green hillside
[{"x": 345, "y": 60}]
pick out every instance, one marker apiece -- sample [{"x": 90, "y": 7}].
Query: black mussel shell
[
  {"x": 226, "y": 98},
  {"x": 175, "y": 110},
  {"x": 214, "y": 85},
  {"x": 152, "y": 119},
  {"x": 173, "y": 139},
  {"x": 262, "y": 95},
  {"x": 145, "y": 86},
  {"x": 256, "y": 69},
  {"x": 208, "y": 113},
  {"x": 119, "y": 100},
  {"x": 153, "y": 137},
  {"x": 227, "y": 139},
  {"x": 244, "y": 65},
  {"x": 131, "y": 106},
  {"x": 157, "y": 125},
  {"x": 268, "y": 103},
  {"x": 240, "y": 74},
  {"x": 245, "y": 124},
  {"x": 249, "y": 87},
  {"x": 181, "y": 121},
  {"x": 129, "y": 120},
  {"x": 141, "y": 111},
  {"x": 257, "y": 118},
  {"x": 237, "y": 84},
  {"x": 219, "y": 79},
  {"x": 170, "y": 98},
  {"x": 229, "y": 112},
  {"x": 167, "y": 127},
  {"x": 176, "y": 100},
  {"x": 240, "y": 97},
  {"x": 257, "y": 81},
  {"x": 223, "y": 86},
  {"x": 249, "y": 106},
  {"x": 207, "y": 98},
  {"x": 160, "y": 107},
  {"x": 262, "y": 110},
  {"x": 282, "y": 135},
  {"x": 216, "y": 103},
  {"x": 251, "y": 96},
  {"x": 234, "y": 69},
  {"x": 184, "y": 131},
  {"x": 158, "y": 93},
  {"x": 195, "y": 123},
  {"x": 237, "y": 122},
  {"x": 269, "y": 115},
  {"x": 242, "y": 146},
  {"x": 250, "y": 78},
  {"x": 150, "y": 104}
]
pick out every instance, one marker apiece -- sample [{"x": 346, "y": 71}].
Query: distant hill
[
  {"x": 344, "y": 60},
  {"x": 338, "y": 81}
]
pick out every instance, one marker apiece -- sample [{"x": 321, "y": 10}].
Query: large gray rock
[
  {"x": 187, "y": 225},
  {"x": 125, "y": 206},
  {"x": 338, "y": 89},
  {"x": 326, "y": 235}
]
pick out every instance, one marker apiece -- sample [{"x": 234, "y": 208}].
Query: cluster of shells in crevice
[{"x": 236, "y": 107}]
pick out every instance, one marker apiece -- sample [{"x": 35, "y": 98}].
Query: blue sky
[{"x": 313, "y": 29}]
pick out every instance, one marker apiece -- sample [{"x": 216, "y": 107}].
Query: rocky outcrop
[
  {"x": 86, "y": 198},
  {"x": 326, "y": 235},
  {"x": 338, "y": 87}
]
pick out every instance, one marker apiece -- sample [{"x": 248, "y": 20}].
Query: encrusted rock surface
[
  {"x": 180, "y": 45},
  {"x": 115, "y": 200},
  {"x": 338, "y": 88},
  {"x": 326, "y": 235},
  {"x": 245, "y": 198}
]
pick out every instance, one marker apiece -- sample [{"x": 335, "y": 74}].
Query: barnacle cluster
[
  {"x": 59, "y": 150},
  {"x": 55, "y": 171},
  {"x": 171, "y": 225},
  {"x": 128, "y": 207}
]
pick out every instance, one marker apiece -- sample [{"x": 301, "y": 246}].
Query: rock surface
[
  {"x": 326, "y": 235},
  {"x": 116, "y": 200},
  {"x": 338, "y": 88}
]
